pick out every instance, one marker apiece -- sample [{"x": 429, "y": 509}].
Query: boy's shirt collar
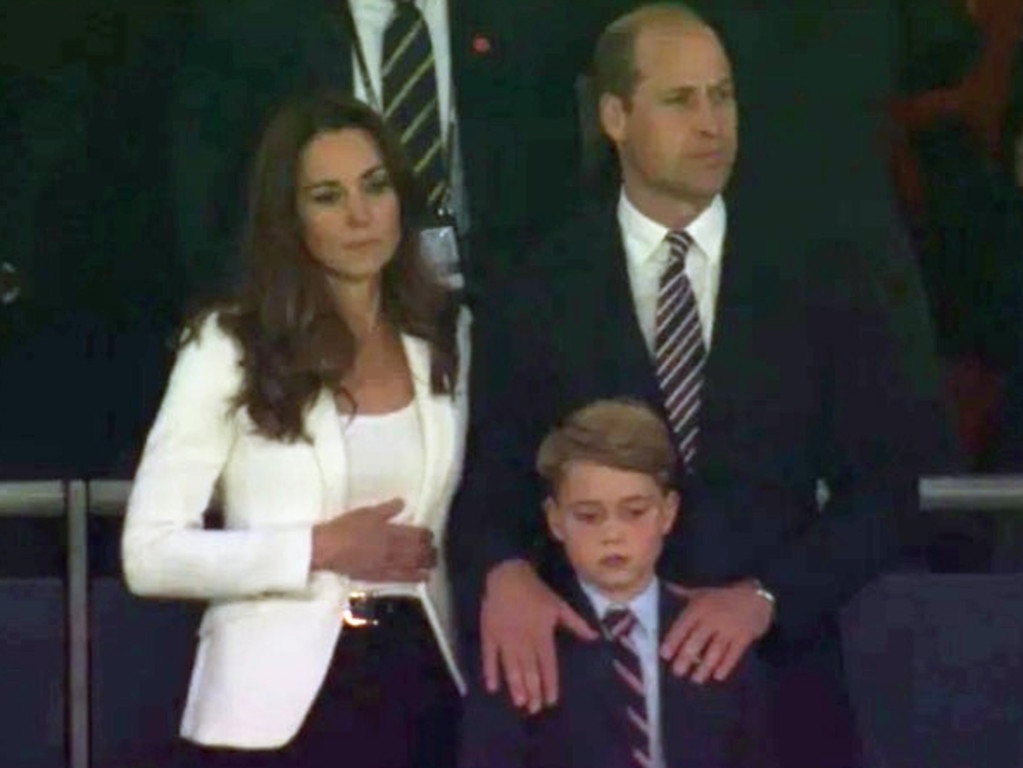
[{"x": 644, "y": 605}]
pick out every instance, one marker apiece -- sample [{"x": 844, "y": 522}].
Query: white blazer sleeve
[{"x": 165, "y": 551}]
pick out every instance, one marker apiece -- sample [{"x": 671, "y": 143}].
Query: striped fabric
[
  {"x": 679, "y": 350},
  {"x": 410, "y": 96},
  {"x": 618, "y": 624}
]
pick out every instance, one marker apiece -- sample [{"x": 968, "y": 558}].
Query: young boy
[{"x": 608, "y": 470}]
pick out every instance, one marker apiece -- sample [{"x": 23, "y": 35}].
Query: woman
[{"x": 326, "y": 405}]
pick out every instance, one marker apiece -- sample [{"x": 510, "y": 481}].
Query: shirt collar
[
  {"x": 643, "y": 605},
  {"x": 646, "y": 235}
]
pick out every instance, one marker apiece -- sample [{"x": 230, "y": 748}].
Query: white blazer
[{"x": 267, "y": 638}]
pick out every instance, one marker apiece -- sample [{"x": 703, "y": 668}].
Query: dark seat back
[
  {"x": 934, "y": 665},
  {"x": 32, "y": 671},
  {"x": 141, "y": 654}
]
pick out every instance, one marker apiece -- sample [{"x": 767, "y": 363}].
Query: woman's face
[{"x": 349, "y": 210}]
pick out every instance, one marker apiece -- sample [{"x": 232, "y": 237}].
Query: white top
[
  {"x": 385, "y": 462},
  {"x": 646, "y": 255},
  {"x": 371, "y": 17},
  {"x": 644, "y": 636}
]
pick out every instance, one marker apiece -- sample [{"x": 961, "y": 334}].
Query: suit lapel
[
  {"x": 458, "y": 24},
  {"x": 588, "y": 676},
  {"x": 577, "y": 600},
  {"x": 329, "y": 48},
  {"x": 721, "y": 358},
  {"x": 604, "y": 348},
  {"x": 695, "y": 720},
  {"x": 676, "y": 726},
  {"x": 730, "y": 348}
]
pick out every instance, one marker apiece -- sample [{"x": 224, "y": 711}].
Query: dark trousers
[{"x": 388, "y": 701}]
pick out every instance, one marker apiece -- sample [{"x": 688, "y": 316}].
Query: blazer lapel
[
  {"x": 435, "y": 421},
  {"x": 323, "y": 423}
]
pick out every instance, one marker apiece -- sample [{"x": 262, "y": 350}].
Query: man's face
[
  {"x": 612, "y": 523},
  {"x": 677, "y": 134}
]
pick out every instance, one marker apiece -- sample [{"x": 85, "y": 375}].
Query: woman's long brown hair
[{"x": 293, "y": 341}]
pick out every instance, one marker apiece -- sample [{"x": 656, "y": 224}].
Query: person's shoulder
[
  {"x": 212, "y": 331},
  {"x": 843, "y": 273},
  {"x": 241, "y": 16},
  {"x": 591, "y": 227},
  {"x": 670, "y": 601},
  {"x": 208, "y": 362},
  {"x": 230, "y": 37},
  {"x": 552, "y": 268}
]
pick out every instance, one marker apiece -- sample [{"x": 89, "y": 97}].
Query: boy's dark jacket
[{"x": 717, "y": 725}]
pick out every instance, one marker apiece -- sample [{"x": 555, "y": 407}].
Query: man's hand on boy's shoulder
[
  {"x": 518, "y": 620},
  {"x": 716, "y": 628}
]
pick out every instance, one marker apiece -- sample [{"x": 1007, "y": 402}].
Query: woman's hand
[{"x": 365, "y": 545}]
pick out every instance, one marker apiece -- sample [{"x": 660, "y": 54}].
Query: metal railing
[
  {"x": 972, "y": 493},
  {"x": 76, "y": 500},
  {"x": 67, "y": 499}
]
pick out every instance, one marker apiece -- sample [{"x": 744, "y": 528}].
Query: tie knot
[
  {"x": 405, "y": 10},
  {"x": 679, "y": 241},
  {"x": 618, "y": 622}
]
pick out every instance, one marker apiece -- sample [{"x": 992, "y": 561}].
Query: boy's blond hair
[{"x": 621, "y": 434}]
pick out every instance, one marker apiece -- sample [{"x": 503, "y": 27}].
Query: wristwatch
[{"x": 764, "y": 592}]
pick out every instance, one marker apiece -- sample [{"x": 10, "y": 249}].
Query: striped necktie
[
  {"x": 679, "y": 350},
  {"x": 411, "y": 105},
  {"x": 631, "y": 693}
]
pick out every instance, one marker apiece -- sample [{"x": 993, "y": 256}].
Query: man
[
  {"x": 789, "y": 354},
  {"x": 498, "y": 91}
]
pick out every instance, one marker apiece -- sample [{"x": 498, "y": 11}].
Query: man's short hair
[
  {"x": 614, "y": 61},
  {"x": 621, "y": 434}
]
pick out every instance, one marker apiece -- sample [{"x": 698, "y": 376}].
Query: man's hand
[
  {"x": 517, "y": 621},
  {"x": 714, "y": 631}
]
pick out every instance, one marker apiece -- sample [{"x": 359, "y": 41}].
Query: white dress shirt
[
  {"x": 371, "y": 17},
  {"x": 644, "y": 635},
  {"x": 647, "y": 251}
]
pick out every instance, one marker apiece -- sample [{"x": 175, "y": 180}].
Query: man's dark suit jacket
[
  {"x": 807, "y": 379},
  {"x": 718, "y": 725},
  {"x": 514, "y": 67}
]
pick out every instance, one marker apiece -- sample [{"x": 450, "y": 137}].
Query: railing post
[{"x": 78, "y": 623}]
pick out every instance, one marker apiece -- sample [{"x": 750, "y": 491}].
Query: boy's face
[{"x": 612, "y": 523}]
